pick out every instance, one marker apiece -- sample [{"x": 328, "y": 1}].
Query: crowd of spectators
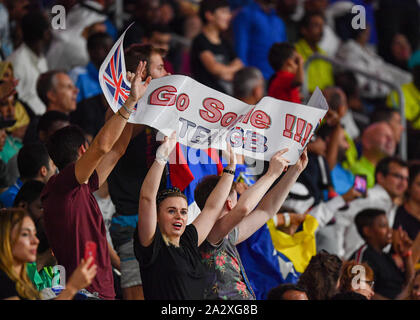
[{"x": 72, "y": 171}]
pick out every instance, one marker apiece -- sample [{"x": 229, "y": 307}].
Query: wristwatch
[{"x": 232, "y": 172}]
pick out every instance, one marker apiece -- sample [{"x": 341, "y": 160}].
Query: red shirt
[
  {"x": 72, "y": 217},
  {"x": 281, "y": 87}
]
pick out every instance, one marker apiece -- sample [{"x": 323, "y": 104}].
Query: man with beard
[{"x": 320, "y": 72}]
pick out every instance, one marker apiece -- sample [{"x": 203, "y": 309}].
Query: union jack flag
[{"x": 112, "y": 77}]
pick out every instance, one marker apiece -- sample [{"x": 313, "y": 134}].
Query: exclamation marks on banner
[
  {"x": 301, "y": 124},
  {"x": 307, "y": 132},
  {"x": 301, "y": 134},
  {"x": 289, "y": 125}
]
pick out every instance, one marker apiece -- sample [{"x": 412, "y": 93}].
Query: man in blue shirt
[
  {"x": 34, "y": 163},
  {"x": 86, "y": 78},
  {"x": 256, "y": 28}
]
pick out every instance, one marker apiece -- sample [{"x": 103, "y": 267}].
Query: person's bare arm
[
  {"x": 109, "y": 134},
  {"x": 218, "y": 69},
  {"x": 249, "y": 199},
  {"x": 115, "y": 259},
  {"x": 333, "y": 146},
  {"x": 272, "y": 201},
  {"x": 416, "y": 249},
  {"x": 300, "y": 73},
  {"x": 148, "y": 192},
  {"x": 215, "y": 202}
]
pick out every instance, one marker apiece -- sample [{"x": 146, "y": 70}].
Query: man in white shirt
[
  {"x": 391, "y": 183},
  {"x": 28, "y": 59}
]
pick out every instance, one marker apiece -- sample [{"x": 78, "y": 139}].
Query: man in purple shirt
[{"x": 71, "y": 213}]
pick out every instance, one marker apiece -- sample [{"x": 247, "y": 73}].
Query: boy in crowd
[
  {"x": 213, "y": 59},
  {"x": 391, "y": 281},
  {"x": 288, "y": 65}
]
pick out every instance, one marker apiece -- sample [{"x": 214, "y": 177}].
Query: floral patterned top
[{"x": 224, "y": 263}]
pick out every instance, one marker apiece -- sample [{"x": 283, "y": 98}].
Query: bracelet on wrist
[
  {"x": 127, "y": 110},
  {"x": 286, "y": 216},
  {"x": 120, "y": 114},
  {"x": 161, "y": 160}
]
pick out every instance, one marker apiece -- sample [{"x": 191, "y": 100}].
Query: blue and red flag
[{"x": 112, "y": 76}]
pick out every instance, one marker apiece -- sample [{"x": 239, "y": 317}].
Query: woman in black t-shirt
[
  {"x": 167, "y": 249},
  {"x": 19, "y": 246}
]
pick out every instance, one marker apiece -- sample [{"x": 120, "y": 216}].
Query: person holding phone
[
  {"x": 19, "y": 247},
  {"x": 165, "y": 246}
]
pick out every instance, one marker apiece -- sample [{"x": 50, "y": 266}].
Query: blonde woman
[{"x": 18, "y": 246}]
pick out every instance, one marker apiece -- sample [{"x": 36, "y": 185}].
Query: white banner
[{"x": 204, "y": 117}]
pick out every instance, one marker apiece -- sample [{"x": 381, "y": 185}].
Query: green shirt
[
  {"x": 42, "y": 279},
  {"x": 412, "y": 103},
  {"x": 364, "y": 166}
]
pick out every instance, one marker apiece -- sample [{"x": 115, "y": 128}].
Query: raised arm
[
  {"x": 109, "y": 134},
  {"x": 149, "y": 190},
  {"x": 215, "y": 202},
  {"x": 272, "y": 202},
  {"x": 249, "y": 199}
]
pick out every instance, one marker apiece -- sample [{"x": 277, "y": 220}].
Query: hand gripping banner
[{"x": 206, "y": 118}]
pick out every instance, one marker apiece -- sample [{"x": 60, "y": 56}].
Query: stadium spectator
[
  {"x": 167, "y": 272},
  {"x": 125, "y": 180},
  {"x": 86, "y": 78},
  {"x": 392, "y": 117},
  {"x": 213, "y": 59},
  {"x": 19, "y": 246},
  {"x": 15, "y": 107},
  {"x": 358, "y": 54},
  {"x": 287, "y": 291},
  {"x": 357, "y": 277},
  {"x": 377, "y": 143},
  {"x": 320, "y": 72},
  {"x": 411, "y": 94},
  {"x": 238, "y": 221},
  {"x": 321, "y": 277},
  {"x": 390, "y": 281},
  {"x": 288, "y": 65},
  {"x": 28, "y": 59},
  {"x": 83, "y": 169},
  {"x": 391, "y": 183},
  {"x": 408, "y": 214},
  {"x": 33, "y": 163},
  {"x": 58, "y": 93},
  {"x": 253, "y": 28},
  {"x": 160, "y": 36},
  {"x": 68, "y": 48}
]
